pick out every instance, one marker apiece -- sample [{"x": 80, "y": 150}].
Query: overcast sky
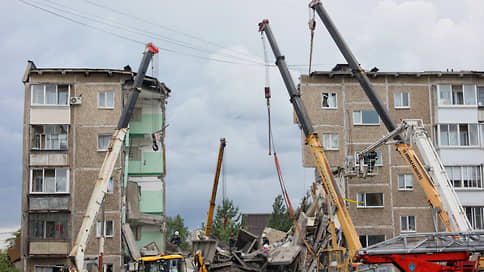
[{"x": 210, "y": 57}]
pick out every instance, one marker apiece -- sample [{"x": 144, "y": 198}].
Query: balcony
[{"x": 49, "y": 248}]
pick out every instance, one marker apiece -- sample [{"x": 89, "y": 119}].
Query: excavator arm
[
  {"x": 78, "y": 251},
  {"x": 312, "y": 140},
  {"x": 435, "y": 194}
]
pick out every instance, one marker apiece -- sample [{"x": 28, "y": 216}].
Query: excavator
[{"x": 427, "y": 254}]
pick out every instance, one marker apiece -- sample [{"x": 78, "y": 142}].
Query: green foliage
[
  {"x": 177, "y": 224},
  {"x": 280, "y": 218},
  {"x": 11, "y": 240},
  {"x": 232, "y": 224},
  {"x": 5, "y": 262}
]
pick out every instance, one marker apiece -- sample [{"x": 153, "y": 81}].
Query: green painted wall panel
[
  {"x": 151, "y": 202},
  {"x": 151, "y": 236},
  {"x": 152, "y": 163},
  {"x": 149, "y": 123}
]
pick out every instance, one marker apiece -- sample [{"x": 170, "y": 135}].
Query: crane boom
[
  {"x": 436, "y": 190},
  {"x": 208, "y": 226},
  {"x": 329, "y": 183},
  {"x": 78, "y": 251}
]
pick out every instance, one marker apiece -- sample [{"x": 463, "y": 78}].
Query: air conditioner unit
[{"x": 75, "y": 100}]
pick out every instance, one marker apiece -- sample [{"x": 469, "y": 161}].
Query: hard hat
[
  {"x": 232, "y": 234},
  {"x": 177, "y": 233}
]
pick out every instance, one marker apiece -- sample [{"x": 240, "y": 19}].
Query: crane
[
  {"x": 436, "y": 185},
  {"x": 312, "y": 140},
  {"x": 78, "y": 251},
  {"x": 208, "y": 226},
  {"x": 448, "y": 251}
]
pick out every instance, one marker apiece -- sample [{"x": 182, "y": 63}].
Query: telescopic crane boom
[
  {"x": 208, "y": 226},
  {"x": 312, "y": 140},
  {"x": 114, "y": 148},
  {"x": 438, "y": 190}
]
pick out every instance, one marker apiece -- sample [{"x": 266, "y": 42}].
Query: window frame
[
  {"x": 331, "y": 136},
  {"x": 360, "y": 121},
  {"x": 405, "y": 182},
  {"x": 59, "y": 219},
  {"x": 463, "y": 176},
  {"x": 44, "y": 95},
  {"x": 473, "y": 220},
  {"x": 453, "y": 92},
  {"x": 458, "y": 135},
  {"x": 44, "y": 183},
  {"x": 408, "y": 223},
  {"x": 401, "y": 99},
  {"x": 105, "y": 267},
  {"x": 98, "y": 138},
  {"x": 98, "y": 228},
  {"x": 43, "y": 137},
  {"x": 366, "y": 236},
  {"x": 99, "y": 106},
  {"x": 364, "y": 204},
  {"x": 329, "y": 95}
]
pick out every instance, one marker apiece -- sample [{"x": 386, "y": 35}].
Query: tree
[
  {"x": 226, "y": 221},
  {"x": 177, "y": 224},
  {"x": 4, "y": 258},
  {"x": 280, "y": 218}
]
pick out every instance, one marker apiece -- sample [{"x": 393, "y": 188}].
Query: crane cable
[
  {"x": 267, "y": 89},
  {"x": 287, "y": 200},
  {"x": 312, "y": 26}
]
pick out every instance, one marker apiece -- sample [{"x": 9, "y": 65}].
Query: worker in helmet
[
  {"x": 175, "y": 239},
  {"x": 265, "y": 240},
  {"x": 232, "y": 240}
]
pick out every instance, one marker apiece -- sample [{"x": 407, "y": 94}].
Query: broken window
[
  {"x": 407, "y": 223},
  {"x": 328, "y": 100},
  {"x": 459, "y": 135},
  {"x": 105, "y": 100},
  {"x": 368, "y": 240},
  {"x": 401, "y": 100},
  {"x": 49, "y": 180},
  {"x": 457, "y": 94},
  {"x": 48, "y": 226},
  {"x": 475, "y": 216},
  {"x": 330, "y": 141},
  {"x": 405, "y": 182},
  {"x": 49, "y": 137},
  {"x": 49, "y": 94},
  {"x": 103, "y": 142},
  {"x": 374, "y": 200},
  {"x": 108, "y": 228},
  {"x": 365, "y": 117}
]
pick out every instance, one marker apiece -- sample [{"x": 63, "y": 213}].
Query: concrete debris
[{"x": 150, "y": 249}]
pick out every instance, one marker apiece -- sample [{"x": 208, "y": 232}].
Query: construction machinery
[
  {"x": 440, "y": 252},
  {"x": 211, "y": 209},
  {"x": 436, "y": 185},
  {"x": 312, "y": 140},
  {"x": 170, "y": 263},
  {"x": 115, "y": 145}
]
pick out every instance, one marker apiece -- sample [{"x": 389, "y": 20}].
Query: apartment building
[
  {"x": 69, "y": 117},
  {"x": 388, "y": 201}
]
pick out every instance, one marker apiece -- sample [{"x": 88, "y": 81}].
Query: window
[
  {"x": 407, "y": 223},
  {"x": 47, "y": 269},
  {"x": 328, "y": 100},
  {"x": 481, "y": 97},
  {"x": 401, "y": 100},
  {"x": 108, "y": 228},
  {"x": 49, "y": 94},
  {"x": 366, "y": 117},
  {"x": 110, "y": 186},
  {"x": 457, "y": 94},
  {"x": 105, "y": 100},
  {"x": 378, "y": 162},
  {"x": 405, "y": 182},
  {"x": 49, "y": 137},
  {"x": 474, "y": 214},
  {"x": 458, "y": 135},
  {"x": 48, "y": 226},
  {"x": 103, "y": 142},
  {"x": 330, "y": 141},
  {"x": 368, "y": 240},
  {"x": 49, "y": 180},
  {"x": 108, "y": 268},
  {"x": 465, "y": 176},
  {"x": 370, "y": 200}
]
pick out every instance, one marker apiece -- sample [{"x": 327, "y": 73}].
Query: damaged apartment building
[
  {"x": 389, "y": 202},
  {"x": 69, "y": 118}
]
